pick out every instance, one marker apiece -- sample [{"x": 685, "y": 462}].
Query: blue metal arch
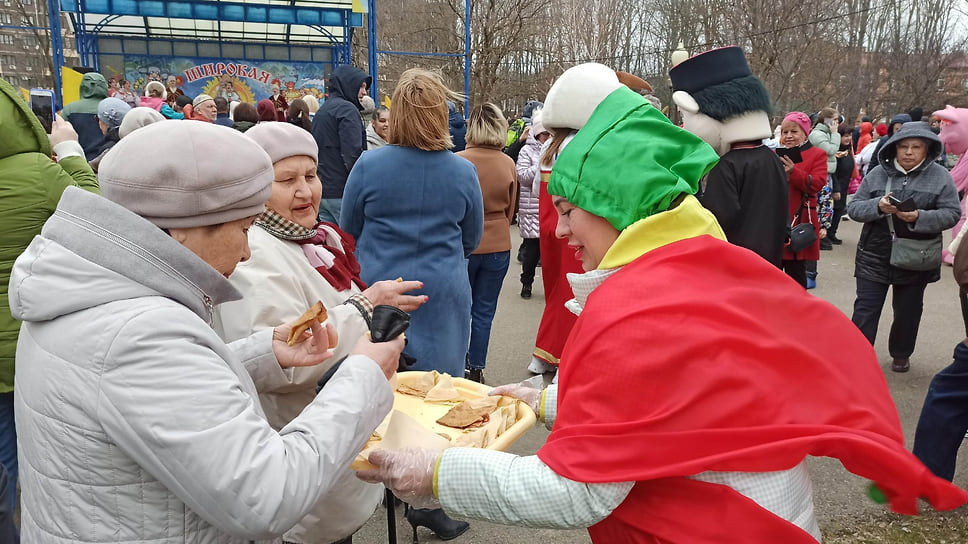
[
  {"x": 211, "y": 10},
  {"x": 103, "y": 22}
]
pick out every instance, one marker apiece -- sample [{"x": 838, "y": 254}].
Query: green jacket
[{"x": 31, "y": 185}]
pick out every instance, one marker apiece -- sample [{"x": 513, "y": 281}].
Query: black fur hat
[{"x": 722, "y": 83}]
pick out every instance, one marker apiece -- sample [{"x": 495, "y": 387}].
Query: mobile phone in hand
[
  {"x": 902, "y": 205},
  {"x": 792, "y": 152},
  {"x": 42, "y": 104}
]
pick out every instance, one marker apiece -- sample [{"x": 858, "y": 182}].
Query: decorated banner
[{"x": 233, "y": 79}]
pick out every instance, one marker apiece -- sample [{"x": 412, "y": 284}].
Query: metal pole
[
  {"x": 56, "y": 47},
  {"x": 372, "y": 48},
  {"x": 467, "y": 57},
  {"x": 389, "y": 499}
]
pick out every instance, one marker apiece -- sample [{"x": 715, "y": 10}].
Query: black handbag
[{"x": 802, "y": 235}]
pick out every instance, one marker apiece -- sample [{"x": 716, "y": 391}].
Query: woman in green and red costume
[{"x": 676, "y": 403}]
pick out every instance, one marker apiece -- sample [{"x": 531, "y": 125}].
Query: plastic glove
[
  {"x": 528, "y": 391},
  {"x": 408, "y": 473}
]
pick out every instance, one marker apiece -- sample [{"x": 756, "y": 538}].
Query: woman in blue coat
[{"x": 416, "y": 212}]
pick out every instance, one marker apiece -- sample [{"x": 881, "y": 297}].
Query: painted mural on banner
[{"x": 233, "y": 79}]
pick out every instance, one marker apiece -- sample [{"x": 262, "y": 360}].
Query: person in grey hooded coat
[{"x": 907, "y": 162}]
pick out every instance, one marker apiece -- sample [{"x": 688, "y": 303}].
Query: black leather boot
[
  {"x": 437, "y": 521},
  {"x": 474, "y": 374}
]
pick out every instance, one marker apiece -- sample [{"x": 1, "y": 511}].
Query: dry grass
[{"x": 929, "y": 528}]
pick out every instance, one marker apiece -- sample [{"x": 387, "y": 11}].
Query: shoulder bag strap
[
  {"x": 890, "y": 218},
  {"x": 803, "y": 204}
]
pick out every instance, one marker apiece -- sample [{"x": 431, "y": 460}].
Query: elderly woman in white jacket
[
  {"x": 138, "y": 423},
  {"x": 296, "y": 261}
]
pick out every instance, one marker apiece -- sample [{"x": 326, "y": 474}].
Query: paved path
[{"x": 837, "y": 493}]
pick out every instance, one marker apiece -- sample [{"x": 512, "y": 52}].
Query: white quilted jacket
[{"x": 277, "y": 285}]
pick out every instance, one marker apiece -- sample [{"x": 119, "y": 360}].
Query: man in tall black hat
[{"x": 722, "y": 102}]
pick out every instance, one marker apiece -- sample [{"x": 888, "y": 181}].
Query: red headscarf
[{"x": 267, "y": 112}]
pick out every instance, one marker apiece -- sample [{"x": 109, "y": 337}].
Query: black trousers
[
  {"x": 835, "y": 220},
  {"x": 964, "y": 310},
  {"x": 907, "y": 302},
  {"x": 796, "y": 270},
  {"x": 530, "y": 255}
]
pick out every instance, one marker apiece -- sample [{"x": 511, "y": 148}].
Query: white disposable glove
[
  {"x": 528, "y": 391},
  {"x": 408, "y": 473}
]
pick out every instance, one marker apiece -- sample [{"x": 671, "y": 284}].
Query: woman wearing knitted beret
[
  {"x": 666, "y": 410},
  {"x": 294, "y": 262},
  {"x": 116, "y": 296}
]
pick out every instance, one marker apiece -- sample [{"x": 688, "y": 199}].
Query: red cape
[
  {"x": 697, "y": 357},
  {"x": 557, "y": 260}
]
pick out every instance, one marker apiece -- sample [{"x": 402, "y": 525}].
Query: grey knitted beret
[
  {"x": 181, "y": 175},
  {"x": 283, "y": 140}
]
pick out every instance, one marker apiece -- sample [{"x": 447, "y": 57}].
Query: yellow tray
[{"x": 427, "y": 414}]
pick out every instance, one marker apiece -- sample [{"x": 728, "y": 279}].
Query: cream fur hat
[
  {"x": 283, "y": 140},
  {"x": 576, "y": 94},
  {"x": 157, "y": 85},
  {"x": 182, "y": 175}
]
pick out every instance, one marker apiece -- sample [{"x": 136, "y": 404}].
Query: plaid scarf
[
  {"x": 280, "y": 227},
  {"x": 327, "y": 248}
]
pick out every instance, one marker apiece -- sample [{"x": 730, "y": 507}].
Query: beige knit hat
[
  {"x": 283, "y": 140},
  {"x": 182, "y": 175},
  {"x": 137, "y": 118}
]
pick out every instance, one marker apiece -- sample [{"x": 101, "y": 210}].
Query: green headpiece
[{"x": 629, "y": 162}]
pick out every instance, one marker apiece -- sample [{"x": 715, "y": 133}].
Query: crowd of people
[{"x": 160, "y": 248}]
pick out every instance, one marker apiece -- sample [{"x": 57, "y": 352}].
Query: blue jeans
[
  {"x": 329, "y": 209},
  {"x": 8, "y": 447},
  {"x": 486, "y": 272},
  {"x": 944, "y": 417}
]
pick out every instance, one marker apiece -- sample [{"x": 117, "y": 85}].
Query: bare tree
[
  {"x": 39, "y": 28},
  {"x": 862, "y": 56}
]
